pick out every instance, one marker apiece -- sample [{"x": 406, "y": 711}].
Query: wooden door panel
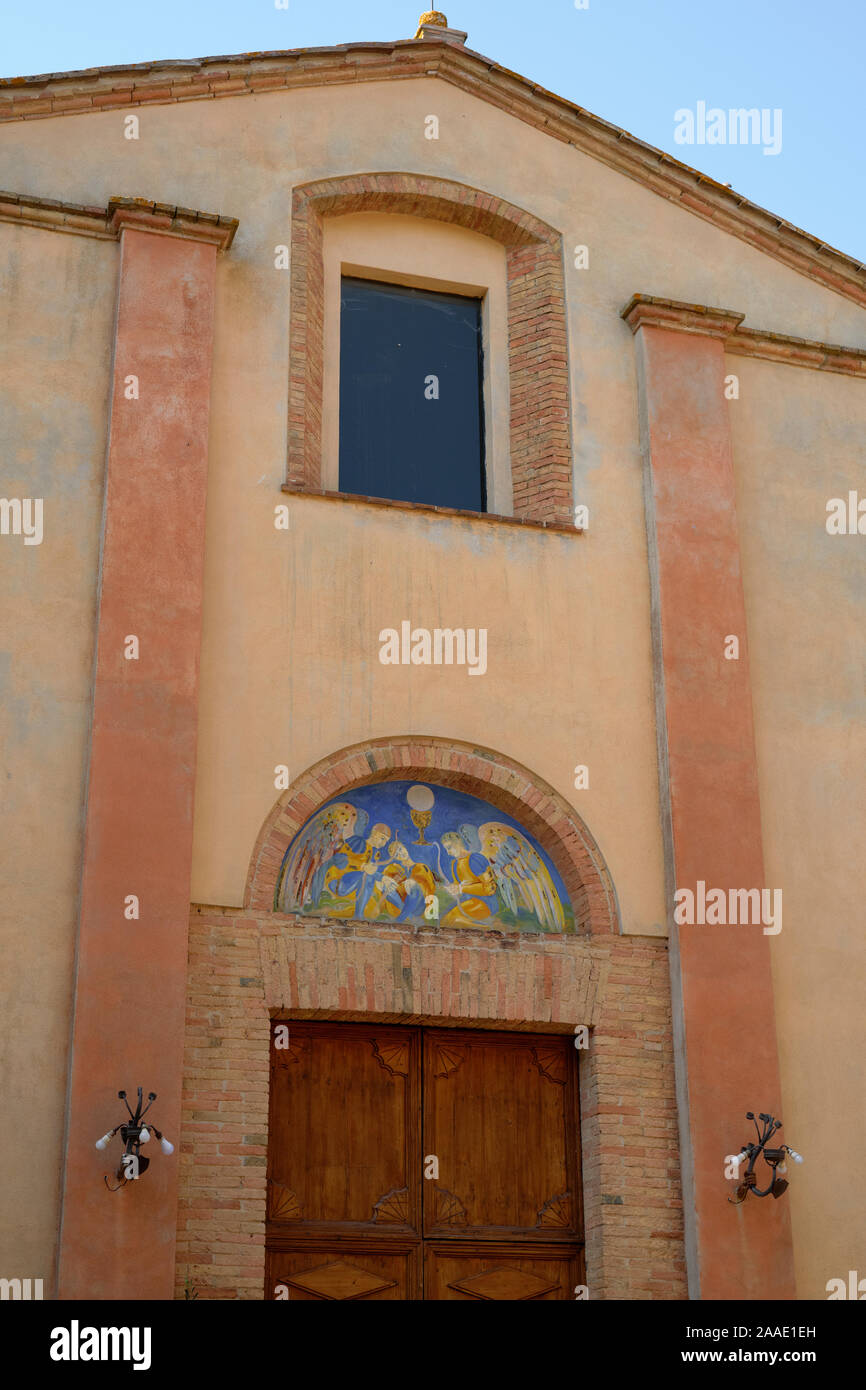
[
  {"x": 344, "y": 1142},
  {"x": 499, "y": 1116},
  {"x": 378, "y": 1272},
  {"x": 489, "y": 1272},
  {"x": 348, "y": 1137}
]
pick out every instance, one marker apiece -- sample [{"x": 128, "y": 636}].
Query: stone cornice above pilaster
[
  {"x": 646, "y": 310},
  {"x": 107, "y": 223},
  {"x": 142, "y": 215}
]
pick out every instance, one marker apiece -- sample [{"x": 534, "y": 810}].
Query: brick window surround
[{"x": 537, "y": 338}]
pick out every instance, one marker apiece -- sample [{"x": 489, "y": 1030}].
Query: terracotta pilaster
[
  {"x": 131, "y": 969},
  {"x": 724, "y": 1023}
]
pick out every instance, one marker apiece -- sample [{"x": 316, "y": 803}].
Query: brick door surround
[{"x": 252, "y": 965}]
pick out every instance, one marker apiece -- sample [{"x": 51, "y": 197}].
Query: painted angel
[
  {"x": 306, "y": 861},
  {"x": 522, "y": 878}
]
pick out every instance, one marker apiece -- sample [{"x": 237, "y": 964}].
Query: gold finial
[{"x": 433, "y": 24}]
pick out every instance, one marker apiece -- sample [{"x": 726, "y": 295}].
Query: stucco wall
[
  {"x": 56, "y": 314},
  {"x": 290, "y": 668},
  {"x": 590, "y": 652},
  {"x": 798, "y": 441}
]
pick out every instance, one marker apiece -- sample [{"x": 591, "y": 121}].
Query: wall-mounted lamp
[
  {"x": 775, "y": 1158},
  {"x": 133, "y": 1135}
]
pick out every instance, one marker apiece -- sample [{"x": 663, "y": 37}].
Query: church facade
[{"x": 432, "y": 561}]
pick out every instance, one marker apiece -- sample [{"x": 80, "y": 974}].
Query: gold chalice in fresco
[{"x": 420, "y": 801}]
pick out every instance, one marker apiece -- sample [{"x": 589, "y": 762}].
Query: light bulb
[
  {"x": 798, "y": 1158},
  {"x": 106, "y": 1139},
  {"x": 166, "y": 1147},
  {"x": 145, "y": 1135}
]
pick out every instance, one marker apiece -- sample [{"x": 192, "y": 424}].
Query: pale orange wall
[
  {"x": 56, "y": 311},
  {"x": 798, "y": 441},
  {"x": 290, "y": 670}
]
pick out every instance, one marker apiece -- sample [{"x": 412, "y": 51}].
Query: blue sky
[{"x": 634, "y": 62}]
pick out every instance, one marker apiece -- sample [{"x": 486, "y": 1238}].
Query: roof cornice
[
  {"x": 651, "y": 311},
  {"x": 170, "y": 81},
  {"x": 107, "y": 223}
]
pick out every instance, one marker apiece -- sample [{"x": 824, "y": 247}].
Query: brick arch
[
  {"x": 481, "y": 772},
  {"x": 538, "y": 344}
]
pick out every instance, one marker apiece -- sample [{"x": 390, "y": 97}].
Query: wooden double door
[{"x": 411, "y": 1163}]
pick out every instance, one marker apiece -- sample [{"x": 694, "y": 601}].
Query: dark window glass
[{"x": 403, "y": 435}]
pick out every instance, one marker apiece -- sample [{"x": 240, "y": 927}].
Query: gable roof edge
[{"x": 473, "y": 73}]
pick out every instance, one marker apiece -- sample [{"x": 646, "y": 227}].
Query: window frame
[
  {"x": 408, "y": 251},
  {"x": 481, "y": 462}
]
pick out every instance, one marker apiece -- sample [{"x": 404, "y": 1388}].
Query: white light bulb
[
  {"x": 145, "y": 1134},
  {"x": 166, "y": 1147},
  {"x": 105, "y": 1140},
  {"x": 798, "y": 1158}
]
